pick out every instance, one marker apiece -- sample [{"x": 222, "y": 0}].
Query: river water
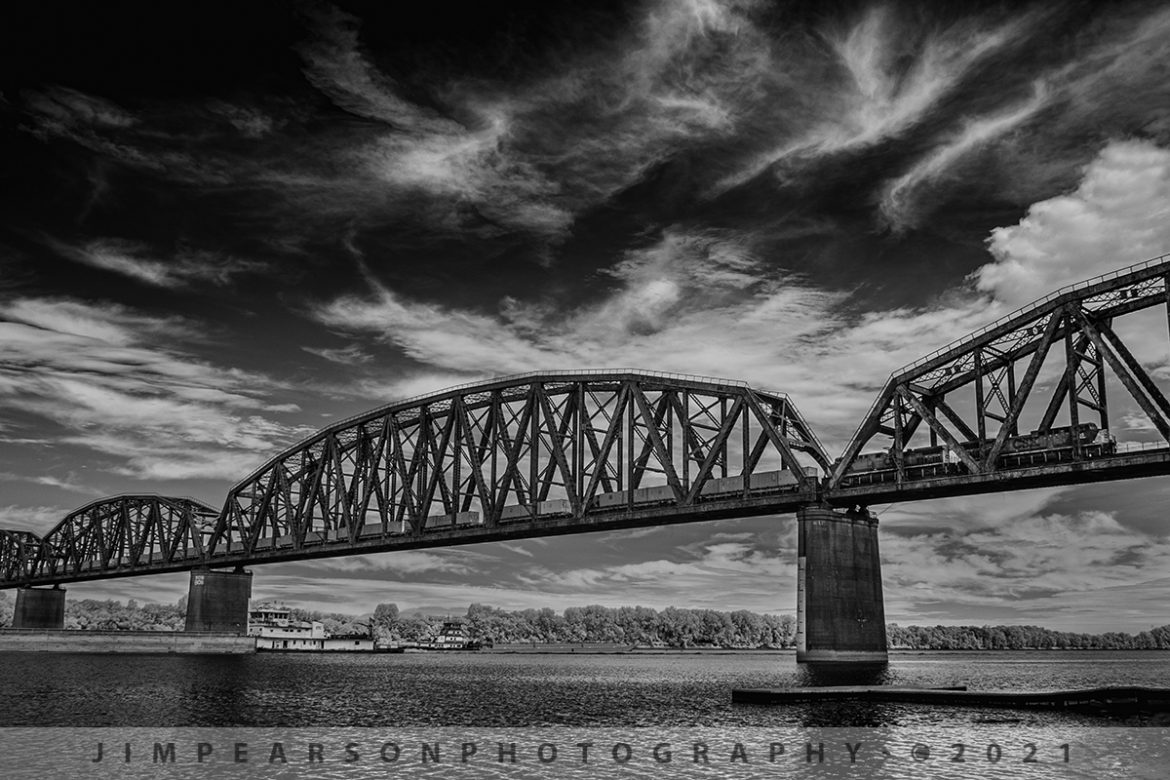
[
  {"x": 548, "y": 717},
  {"x": 506, "y": 690}
]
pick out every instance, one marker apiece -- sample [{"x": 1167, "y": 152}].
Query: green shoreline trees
[
  {"x": 642, "y": 626},
  {"x": 671, "y": 627}
]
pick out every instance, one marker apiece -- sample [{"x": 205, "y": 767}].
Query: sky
[{"x": 227, "y": 225}]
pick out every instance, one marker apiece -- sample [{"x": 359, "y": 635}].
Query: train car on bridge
[
  {"x": 761, "y": 483},
  {"x": 1033, "y": 449}
]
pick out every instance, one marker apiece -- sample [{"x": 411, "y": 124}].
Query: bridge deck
[
  {"x": 592, "y": 521},
  {"x": 1143, "y": 463}
]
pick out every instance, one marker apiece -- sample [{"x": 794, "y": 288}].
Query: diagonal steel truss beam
[
  {"x": 944, "y": 434},
  {"x": 1128, "y": 378},
  {"x": 1021, "y": 396}
]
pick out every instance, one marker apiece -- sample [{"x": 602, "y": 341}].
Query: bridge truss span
[
  {"x": 530, "y": 455},
  {"x": 1027, "y": 401},
  {"x": 557, "y": 451},
  {"x": 120, "y": 535}
]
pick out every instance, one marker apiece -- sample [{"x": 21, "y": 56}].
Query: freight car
[{"x": 713, "y": 488}]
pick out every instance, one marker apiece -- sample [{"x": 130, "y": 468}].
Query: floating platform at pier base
[
  {"x": 1108, "y": 699},
  {"x": 72, "y": 641}
]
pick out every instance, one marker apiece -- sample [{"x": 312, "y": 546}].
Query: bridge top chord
[
  {"x": 1155, "y": 266},
  {"x": 513, "y": 380}
]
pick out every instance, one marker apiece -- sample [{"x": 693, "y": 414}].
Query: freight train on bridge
[{"x": 1058, "y": 445}]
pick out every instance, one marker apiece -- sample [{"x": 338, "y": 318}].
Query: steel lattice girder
[
  {"x": 18, "y": 554},
  {"x": 548, "y": 449},
  {"x": 514, "y": 444},
  {"x": 128, "y": 532},
  {"x": 1073, "y": 325}
]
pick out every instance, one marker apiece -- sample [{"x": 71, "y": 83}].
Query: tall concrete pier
[
  {"x": 218, "y": 601},
  {"x": 39, "y": 608},
  {"x": 840, "y": 614}
]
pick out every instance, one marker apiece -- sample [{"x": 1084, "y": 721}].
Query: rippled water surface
[{"x": 469, "y": 689}]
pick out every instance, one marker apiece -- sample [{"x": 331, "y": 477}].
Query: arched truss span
[
  {"x": 519, "y": 449},
  {"x": 123, "y": 534},
  {"x": 1030, "y": 391}
]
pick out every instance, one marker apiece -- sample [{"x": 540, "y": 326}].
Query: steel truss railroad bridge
[{"x": 1024, "y": 402}]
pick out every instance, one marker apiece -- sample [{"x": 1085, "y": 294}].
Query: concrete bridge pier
[
  {"x": 40, "y": 608},
  {"x": 217, "y": 601},
  {"x": 840, "y": 614}
]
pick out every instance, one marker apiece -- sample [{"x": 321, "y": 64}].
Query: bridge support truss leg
[
  {"x": 840, "y": 614},
  {"x": 39, "y": 608},
  {"x": 218, "y": 601}
]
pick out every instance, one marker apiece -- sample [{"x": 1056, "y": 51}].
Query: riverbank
[{"x": 171, "y": 642}]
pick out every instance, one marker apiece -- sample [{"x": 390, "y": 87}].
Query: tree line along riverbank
[{"x": 642, "y": 626}]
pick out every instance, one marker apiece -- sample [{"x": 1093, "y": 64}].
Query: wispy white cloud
[
  {"x": 518, "y": 549},
  {"x": 119, "y": 135},
  {"x": 99, "y": 373},
  {"x": 890, "y": 95},
  {"x": 250, "y": 121},
  {"x": 899, "y": 201},
  {"x": 1110, "y": 86},
  {"x": 137, "y": 261},
  {"x": 69, "y": 483},
  {"x": 337, "y": 65},
  {"x": 405, "y": 562},
  {"x": 891, "y": 74},
  {"x": 427, "y": 151},
  {"x": 63, "y": 108},
  {"x": 512, "y": 152},
  {"x": 1121, "y": 69},
  {"x": 348, "y": 355},
  {"x": 912, "y": 86}
]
